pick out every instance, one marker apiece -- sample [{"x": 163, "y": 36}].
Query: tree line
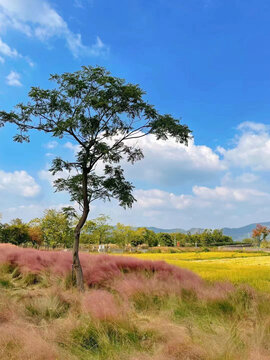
[{"x": 56, "y": 230}]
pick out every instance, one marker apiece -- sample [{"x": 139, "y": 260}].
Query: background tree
[
  {"x": 180, "y": 239},
  {"x": 165, "y": 239},
  {"x": 138, "y": 237},
  {"x": 35, "y": 232},
  {"x": 189, "y": 239},
  {"x": 150, "y": 238},
  {"x": 196, "y": 239},
  {"x": 102, "y": 231},
  {"x": 15, "y": 233},
  {"x": 87, "y": 233},
  {"x": 101, "y": 114},
  {"x": 260, "y": 233},
  {"x": 1, "y": 229},
  {"x": 122, "y": 235},
  {"x": 56, "y": 229}
]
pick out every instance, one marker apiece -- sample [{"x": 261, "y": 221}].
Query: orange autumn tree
[
  {"x": 260, "y": 233},
  {"x": 35, "y": 232}
]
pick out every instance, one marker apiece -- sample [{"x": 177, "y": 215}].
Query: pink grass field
[
  {"x": 132, "y": 309},
  {"x": 124, "y": 274}
]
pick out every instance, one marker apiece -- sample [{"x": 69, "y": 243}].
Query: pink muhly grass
[
  {"x": 35, "y": 261},
  {"x": 175, "y": 349},
  {"x": 258, "y": 354},
  {"x": 131, "y": 284},
  {"x": 7, "y": 314},
  {"x": 102, "y": 305},
  {"x": 212, "y": 292},
  {"x": 21, "y": 342},
  {"x": 126, "y": 274},
  {"x": 98, "y": 269}
]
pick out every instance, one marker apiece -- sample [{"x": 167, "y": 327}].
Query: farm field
[{"x": 238, "y": 267}]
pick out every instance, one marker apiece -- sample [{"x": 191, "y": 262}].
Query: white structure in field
[{"x": 101, "y": 248}]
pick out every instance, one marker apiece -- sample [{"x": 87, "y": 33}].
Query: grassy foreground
[{"x": 131, "y": 309}]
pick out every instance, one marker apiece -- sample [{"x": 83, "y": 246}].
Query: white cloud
[
  {"x": 29, "y": 61},
  {"x": 51, "y": 144},
  {"x": 81, "y": 4},
  {"x": 98, "y": 48},
  {"x": 237, "y": 196},
  {"x": 7, "y": 51},
  {"x": 205, "y": 207},
  {"x": 13, "y": 79},
  {"x": 251, "y": 149},
  {"x": 169, "y": 162},
  {"x": 46, "y": 175},
  {"x": 158, "y": 199},
  {"x": 201, "y": 197},
  {"x": 239, "y": 180},
  {"x": 27, "y": 212},
  {"x": 74, "y": 148},
  {"x": 253, "y": 126},
  {"x": 78, "y": 4},
  {"x": 36, "y": 18},
  {"x": 19, "y": 183},
  {"x": 226, "y": 194}
]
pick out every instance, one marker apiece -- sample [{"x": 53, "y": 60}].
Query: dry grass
[{"x": 132, "y": 310}]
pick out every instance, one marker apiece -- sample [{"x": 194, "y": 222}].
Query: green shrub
[
  {"x": 220, "y": 307},
  {"x": 46, "y": 308},
  {"x": 31, "y": 279},
  {"x": 205, "y": 249},
  {"x": 146, "y": 302},
  {"x": 101, "y": 338},
  {"x": 69, "y": 281},
  {"x": 188, "y": 295},
  {"x": 5, "y": 283}
]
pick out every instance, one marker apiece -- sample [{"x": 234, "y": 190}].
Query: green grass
[{"x": 104, "y": 339}]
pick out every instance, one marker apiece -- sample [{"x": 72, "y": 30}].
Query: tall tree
[{"x": 101, "y": 114}]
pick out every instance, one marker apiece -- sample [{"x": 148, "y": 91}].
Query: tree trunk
[{"x": 76, "y": 265}]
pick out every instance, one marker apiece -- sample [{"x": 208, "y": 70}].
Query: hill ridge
[{"x": 237, "y": 233}]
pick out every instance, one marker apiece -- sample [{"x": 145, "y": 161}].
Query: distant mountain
[
  {"x": 195, "y": 230},
  {"x": 237, "y": 234},
  {"x": 242, "y": 232},
  {"x": 158, "y": 230}
]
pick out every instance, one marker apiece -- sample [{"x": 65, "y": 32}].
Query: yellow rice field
[{"x": 238, "y": 267}]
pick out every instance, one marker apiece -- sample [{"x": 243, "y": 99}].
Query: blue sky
[{"x": 206, "y": 61}]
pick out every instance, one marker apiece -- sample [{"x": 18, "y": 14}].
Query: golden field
[{"x": 238, "y": 267}]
